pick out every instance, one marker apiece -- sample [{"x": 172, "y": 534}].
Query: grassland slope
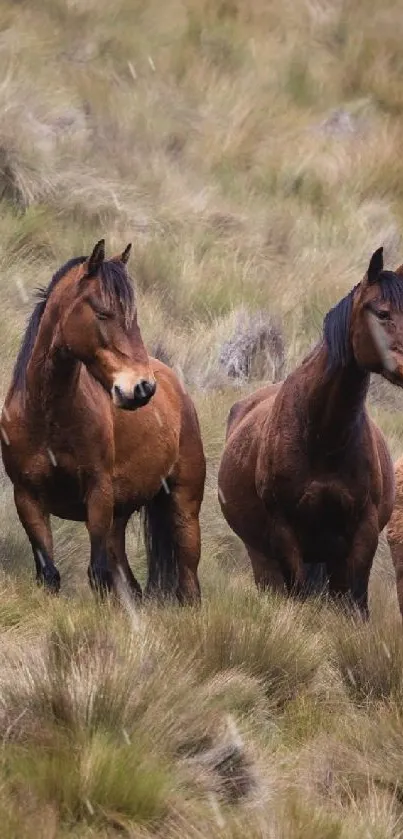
[{"x": 252, "y": 151}]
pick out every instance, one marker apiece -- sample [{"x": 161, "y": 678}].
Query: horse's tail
[{"x": 158, "y": 529}]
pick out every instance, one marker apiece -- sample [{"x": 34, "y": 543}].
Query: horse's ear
[
  {"x": 375, "y": 266},
  {"x": 126, "y": 253},
  {"x": 97, "y": 257}
]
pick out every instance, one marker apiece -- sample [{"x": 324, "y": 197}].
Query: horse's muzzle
[{"x": 143, "y": 391}]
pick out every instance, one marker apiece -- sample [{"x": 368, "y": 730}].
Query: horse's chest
[
  {"x": 350, "y": 471},
  {"x": 140, "y": 471},
  {"x": 317, "y": 498}
]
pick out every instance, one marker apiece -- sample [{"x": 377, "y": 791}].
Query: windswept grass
[
  {"x": 252, "y": 153},
  {"x": 251, "y": 714}
]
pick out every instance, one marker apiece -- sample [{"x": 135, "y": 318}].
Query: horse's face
[
  {"x": 100, "y": 328},
  {"x": 377, "y": 322}
]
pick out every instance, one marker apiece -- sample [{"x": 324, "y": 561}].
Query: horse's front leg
[
  {"x": 350, "y": 579},
  {"x": 36, "y": 523},
  {"x": 99, "y": 523},
  {"x": 285, "y": 550},
  {"x": 266, "y": 570},
  {"x": 120, "y": 567}
]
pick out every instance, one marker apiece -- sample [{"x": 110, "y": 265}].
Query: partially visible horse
[
  {"x": 94, "y": 429},
  {"x": 306, "y": 478},
  {"x": 394, "y": 532}
]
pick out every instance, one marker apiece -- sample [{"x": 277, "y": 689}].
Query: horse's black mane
[
  {"x": 116, "y": 288},
  {"x": 336, "y": 326}
]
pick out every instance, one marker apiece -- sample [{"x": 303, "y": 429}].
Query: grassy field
[{"x": 252, "y": 152}]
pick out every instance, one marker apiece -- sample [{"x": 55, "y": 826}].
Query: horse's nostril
[{"x": 144, "y": 389}]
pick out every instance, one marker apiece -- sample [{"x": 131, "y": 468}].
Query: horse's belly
[{"x": 68, "y": 511}]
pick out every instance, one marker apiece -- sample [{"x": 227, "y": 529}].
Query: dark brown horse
[
  {"x": 94, "y": 429},
  {"x": 306, "y": 478}
]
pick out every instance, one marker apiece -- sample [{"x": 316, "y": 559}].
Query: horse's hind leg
[
  {"x": 118, "y": 557},
  {"x": 172, "y": 537},
  {"x": 36, "y": 523},
  {"x": 171, "y": 519}
]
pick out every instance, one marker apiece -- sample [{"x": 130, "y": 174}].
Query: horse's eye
[
  {"x": 103, "y": 314},
  {"x": 382, "y": 314}
]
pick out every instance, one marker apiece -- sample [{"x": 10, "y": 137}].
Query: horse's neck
[
  {"x": 52, "y": 377},
  {"x": 336, "y": 401}
]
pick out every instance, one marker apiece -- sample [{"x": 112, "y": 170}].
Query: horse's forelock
[
  {"x": 117, "y": 288},
  {"x": 391, "y": 288}
]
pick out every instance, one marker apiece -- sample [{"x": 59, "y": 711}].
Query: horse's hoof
[{"x": 50, "y": 580}]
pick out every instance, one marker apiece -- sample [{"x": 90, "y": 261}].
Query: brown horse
[
  {"x": 94, "y": 429},
  {"x": 394, "y": 532},
  {"x": 306, "y": 480}
]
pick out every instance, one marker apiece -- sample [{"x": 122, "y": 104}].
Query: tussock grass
[
  {"x": 255, "y": 639},
  {"x": 252, "y": 153},
  {"x": 230, "y": 718}
]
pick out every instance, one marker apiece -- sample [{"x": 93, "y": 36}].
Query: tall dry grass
[{"x": 252, "y": 153}]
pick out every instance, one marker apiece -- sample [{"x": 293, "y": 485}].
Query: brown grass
[{"x": 252, "y": 153}]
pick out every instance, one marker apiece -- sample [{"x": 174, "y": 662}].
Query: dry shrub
[{"x": 255, "y": 350}]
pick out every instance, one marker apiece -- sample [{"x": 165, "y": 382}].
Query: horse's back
[{"x": 244, "y": 406}]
